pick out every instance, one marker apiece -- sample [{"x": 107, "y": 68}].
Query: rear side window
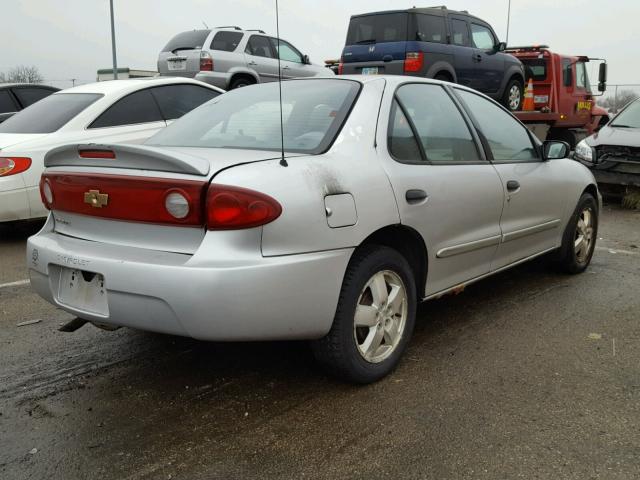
[
  {"x": 391, "y": 27},
  {"x": 138, "y": 107},
  {"x": 192, "y": 40},
  {"x": 459, "y": 32},
  {"x": 429, "y": 28},
  {"x": 482, "y": 37},
  {"x": 49, "y": 114},
  {"x": 441, "y": 129},
  {"x": 176, "y": 100},
  {"x": 29, "y": 96},
  {"x": 259, "y": 46},
  {"x": 6, "y": 102},
  {"x": 403, "y": 145},
  {"x": 226, "y": 41},
  {"x": 508, "y": 139}
]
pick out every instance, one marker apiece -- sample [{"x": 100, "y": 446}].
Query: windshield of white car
[
  {"x": 49, "y": 114},
  {"x": 629, "y": 117},
  {"x": 313, "y": 112}
]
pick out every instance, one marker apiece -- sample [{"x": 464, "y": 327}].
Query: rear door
[
  {"x": 261, "y": 57},
  {"x": 462, "y": 51},
  {"x": 181, "y": 56},
  {"x": 534, "y": 189},
  {"x": 445, "y": 188},
  {"x": 489, "y": 67},
  {"x": 376, "y": 44}
]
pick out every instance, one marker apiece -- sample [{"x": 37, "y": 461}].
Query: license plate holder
[
  {"x": 174, "y": 64},
  {"x": 83, "y": 291},
  {"x": 370, "y": 71}
]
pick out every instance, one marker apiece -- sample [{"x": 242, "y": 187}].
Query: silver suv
[{"x": 229, "y": 57}]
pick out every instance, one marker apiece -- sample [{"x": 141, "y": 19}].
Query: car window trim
[
  {"x": 161, "y": 119},
  {"x": 476, "y": 137},
  {"x": 483, "y": 138}
]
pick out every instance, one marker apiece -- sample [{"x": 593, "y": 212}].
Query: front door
[
  {"x": 489, "y": 67},
  {"x": 445, "y": 189},
  {"x": 534, "y": 190},
  {"x": 462, "y": 50},
  {"x": 261, "y": 58}
]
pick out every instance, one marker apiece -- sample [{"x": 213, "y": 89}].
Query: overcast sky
[{"x": 71, "y": 38}]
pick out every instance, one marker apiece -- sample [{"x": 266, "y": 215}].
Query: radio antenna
[{"x": 283, "y": 161}]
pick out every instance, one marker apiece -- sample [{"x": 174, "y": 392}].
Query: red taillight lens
[
  {"x": 413, "y": 61},
  {"x": 230, "y": 208},
  {"x": 341, "y": 66},
  {"x": 13, "y": 165},
  {"x": 97, "y": 154},
  {"x": 206, "y": 62},
  {"x": 120, "y": 197}
]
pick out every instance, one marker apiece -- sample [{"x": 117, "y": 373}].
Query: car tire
[
  {"x": 240, "y": 82},
  {"x": 579, "y": 239},
  {"x": 513, "y": 95},
  {"x": 366, "y": 351},
  {"x": 442, "y": 77}
]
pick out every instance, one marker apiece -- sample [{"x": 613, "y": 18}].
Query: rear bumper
[{"x": 200, "y": 296}]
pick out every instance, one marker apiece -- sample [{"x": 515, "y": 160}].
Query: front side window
[
  {"x": 135, "y": 108},
  {"x": 49, "y": 114},
  {"x": 226, "y": 41},
  {"x": 249, "y": 118},
  {"x": 460, "y": 32},
  {"x": 29, "y": 96},
  {"x": 429, "y": 28},
  {"x": 482, "y": 37},
  {"x": 176, "y": 100},
  {"x": 441, "y": 129},
  {"x": 377, "y": 28},
  {"x": 286, "y": 51},
  {"x": 259, "y": 46},
  {"x": 582, "y": 78},
  {"x": 6, "y": 102},
  {"x": 507, "y": 138}
]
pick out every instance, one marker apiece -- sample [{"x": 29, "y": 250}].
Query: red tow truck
[{"x": 565, "y": 107}]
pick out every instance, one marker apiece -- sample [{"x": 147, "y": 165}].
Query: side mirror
[
  {"x": 602, "y": 77},
  {"x": 555, "y": 149},
  {"x": 305, "y": 60},
  {"x": 500, "y": 47}
]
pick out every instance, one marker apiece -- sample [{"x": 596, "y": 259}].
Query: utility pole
[
  {"x": 113, "y": 43},
  {"x": 508, "y": 20},
  {"x": 73, "y": 82}
]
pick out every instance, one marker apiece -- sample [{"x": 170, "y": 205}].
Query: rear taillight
[
  {"x": 46, "y": 193},
  {"x": 97, "y": 154},
  {"x": 13, "y": 165},
  {"x": 413, "y": 61},
  {"x": 206, "y": 62},
  {"x": 230, "y": 208},
  {"x": 341, "y": 66}
]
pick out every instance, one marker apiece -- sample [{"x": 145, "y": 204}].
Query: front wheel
[
  {"x": 513, "y": 95},
  {"x": 374, "y": 319},
  {"x": 579, "y": 240}
]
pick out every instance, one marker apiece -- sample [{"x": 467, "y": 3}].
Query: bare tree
[
  {"x": 3, "y": 79},
  {"x": 23, "y": 74},
  {"x": 614, "y": 103}
]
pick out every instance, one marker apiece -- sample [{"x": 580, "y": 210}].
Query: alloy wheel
[
  {"x": 584, "y": 235},
  {"x": 514, "y": 97}
]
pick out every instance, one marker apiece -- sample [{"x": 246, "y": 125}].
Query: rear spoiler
[{"x": 125, "y": 156}]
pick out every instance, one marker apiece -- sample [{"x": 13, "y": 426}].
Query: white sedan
[{"x": 106, "y": 112}]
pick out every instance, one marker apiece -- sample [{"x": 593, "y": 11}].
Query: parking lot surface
[{"x": 528, "y": 374}]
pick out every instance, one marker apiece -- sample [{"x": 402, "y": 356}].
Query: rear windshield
[
  {"x": 535, "y": 69},
  {"x": 388, "y": 27},
  {"x": 313, "y": 112},
  {"x": 193, "y": 40},
  {"x": 49, "y": 114}
]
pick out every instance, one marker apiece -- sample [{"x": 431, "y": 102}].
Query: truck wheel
[
  {"x": 374, "y": 319},
  {"x": 579, "y": 239},
  {"x": 513, "y": 95}
]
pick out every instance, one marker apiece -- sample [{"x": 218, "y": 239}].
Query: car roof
[
  {"x": 438, "y": 11},
  {"x": 109, "y": 87},
  {"x": 30, "y": 85}
]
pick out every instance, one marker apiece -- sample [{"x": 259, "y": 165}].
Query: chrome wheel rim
[
  {"x": 584, "y": 235},
  {"x": 514, "y": 97},
  {"x": 381, "y": 316}
]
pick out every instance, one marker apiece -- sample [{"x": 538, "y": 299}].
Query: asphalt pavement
[{"x": 528, "y": 374}]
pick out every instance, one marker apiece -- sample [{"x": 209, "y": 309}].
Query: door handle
[
  {"x": 415, "y": 196},
  {"x": 477, "y": 58},
  {"x": 252, "y": 63},
  {"x": 513, "y": 185},
  {"x": 286, "y": 68},
  {"x": 387, "y": 58}
]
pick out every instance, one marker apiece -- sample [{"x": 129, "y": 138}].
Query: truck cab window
[{"x": 582, "y": 79}]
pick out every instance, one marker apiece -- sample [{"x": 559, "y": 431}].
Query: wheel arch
[
  {"x": 410, "y": 244},
  {"x": 243, "y": 74},
  {"x": 511, "y": 74},
  {"x": 440, "y": 68}
]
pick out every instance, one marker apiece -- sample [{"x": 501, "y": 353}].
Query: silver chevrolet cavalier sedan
[{"x": 388, "y": 191}]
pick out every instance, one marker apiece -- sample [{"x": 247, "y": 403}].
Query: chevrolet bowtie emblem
[{"x": 96, "y": 199}]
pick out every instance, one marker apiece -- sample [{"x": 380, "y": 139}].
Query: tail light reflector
[
  {"x": 230, "y": 208},
  {"x": 206, "y": 62},
  {"x": 413, "y": 61},
  {"x": 13, "y": 165},
  {"x": 97, "y": 154}
]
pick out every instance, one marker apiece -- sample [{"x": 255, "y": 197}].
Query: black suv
[
  {"x": 16, "y": 96},
  {"x": 434, "y": 43}
]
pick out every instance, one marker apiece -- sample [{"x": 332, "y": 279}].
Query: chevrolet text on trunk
[{"x": 378, "y": 192}]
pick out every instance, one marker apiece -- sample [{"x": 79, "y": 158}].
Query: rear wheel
[
  {"x": 240, "y": 82},
  {"x": 513, "y": 95},
  {"x": 579, "y": 238},
  {"x": 374, "y": 319}
]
